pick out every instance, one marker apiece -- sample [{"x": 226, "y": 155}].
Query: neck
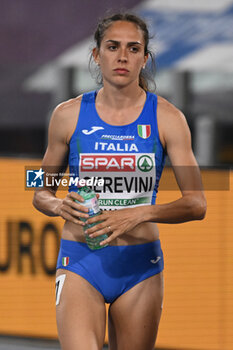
[{"x": 120, "y": 98}]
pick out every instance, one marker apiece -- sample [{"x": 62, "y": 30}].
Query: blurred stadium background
[{"x": 44, "y": 52}]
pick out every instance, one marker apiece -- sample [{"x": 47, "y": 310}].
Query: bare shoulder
[
  {"x": 170, "y": 120},
  {"x": 69, "y": 105},
  {"x": 167, "y": 111},
  {"x": 67, "y": 110},
  {"x": 65, "y": 117}
]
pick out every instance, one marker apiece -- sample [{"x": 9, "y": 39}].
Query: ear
[
  {"x": 145, "y": 59},
  {"x": 95, "y": 54}
]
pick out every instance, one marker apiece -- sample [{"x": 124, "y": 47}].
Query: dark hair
[{"x": 146, "y": 75}]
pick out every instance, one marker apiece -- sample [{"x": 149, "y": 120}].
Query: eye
[
  {"x": 112, "y": 47},
  {"x": 134, "y": 49}
]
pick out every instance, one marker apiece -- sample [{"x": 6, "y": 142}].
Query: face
[{"x": 122, "y": 54}]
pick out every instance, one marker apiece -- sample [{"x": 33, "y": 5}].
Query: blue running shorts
[{"x": 114, "y": 269}]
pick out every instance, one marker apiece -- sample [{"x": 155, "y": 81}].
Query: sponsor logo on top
[
  {"x": 118, "y": 137},
  {"x": 144, "y": 131},
  {"x": 93, "y": 129}
]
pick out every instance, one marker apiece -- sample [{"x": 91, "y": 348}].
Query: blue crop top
[{"x": 129, "y": 158}]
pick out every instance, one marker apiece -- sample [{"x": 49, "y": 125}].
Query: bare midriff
[{"x": 142, "y": 233}]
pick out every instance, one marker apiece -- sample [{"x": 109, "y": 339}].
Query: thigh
[
  {"x": 134, "y": 317},
  {"x": 80, "y": 313}
]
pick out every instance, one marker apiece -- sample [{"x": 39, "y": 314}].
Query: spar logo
[
  {"x": 145, "y": 163},
  {"x": 107, "y": 162}
]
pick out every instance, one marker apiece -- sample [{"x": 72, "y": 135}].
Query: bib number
[{"x": 59, "y": 285}]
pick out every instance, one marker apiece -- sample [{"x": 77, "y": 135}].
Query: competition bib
[{"x": 129, "y": 178}]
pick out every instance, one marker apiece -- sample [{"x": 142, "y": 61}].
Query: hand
[
  {"x": 114, "y": 223},
  {"x": 72, "y": 211}
]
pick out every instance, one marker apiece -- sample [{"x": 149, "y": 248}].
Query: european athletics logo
[{"x": 34, "y": 178}]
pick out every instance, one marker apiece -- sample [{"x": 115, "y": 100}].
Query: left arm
[{"x": 177, "y": 140}]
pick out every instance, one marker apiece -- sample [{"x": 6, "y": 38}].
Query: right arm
[{"x": 62, "y": 124}]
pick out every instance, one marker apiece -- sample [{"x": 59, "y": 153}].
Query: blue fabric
[
  {"x": 114, "y": 269},
  {"x": 114, "y": 153}
]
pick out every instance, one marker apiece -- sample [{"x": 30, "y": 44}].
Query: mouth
[{"x": 121, "y": 70}]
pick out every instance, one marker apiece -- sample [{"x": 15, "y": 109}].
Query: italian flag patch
[
  {"x": 144, "y": 131},
  {"x": 65, "y": 261}
]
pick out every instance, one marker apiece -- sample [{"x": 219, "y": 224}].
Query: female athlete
[{"x": 121, "y": 133}]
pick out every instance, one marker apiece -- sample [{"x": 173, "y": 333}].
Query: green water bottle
[{"x": 91, "y": 202}]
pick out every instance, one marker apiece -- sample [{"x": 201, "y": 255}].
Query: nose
[{"x": 123, "y": 55}]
